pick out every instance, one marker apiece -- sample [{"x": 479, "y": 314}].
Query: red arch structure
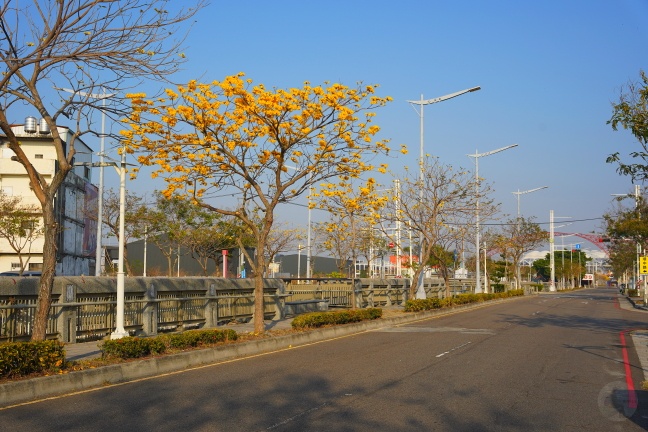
[{"x": 596, "y": 239}]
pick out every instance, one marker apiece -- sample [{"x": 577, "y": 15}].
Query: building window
[
  {"x": 38, "y": 156},
  {"x": 15, "y": 266},
  {"x": 35, "y": 266},
  {"x": 86, "y": 172}
]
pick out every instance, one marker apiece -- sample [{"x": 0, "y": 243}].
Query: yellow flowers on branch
[{"x": 265, "y": 147}]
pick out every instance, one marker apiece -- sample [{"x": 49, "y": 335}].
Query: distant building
[{"x": 74, "y": 202}]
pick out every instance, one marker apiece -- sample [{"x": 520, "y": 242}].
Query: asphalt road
[{"x": 542, "y": 363}]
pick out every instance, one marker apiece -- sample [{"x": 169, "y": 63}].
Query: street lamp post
[
  {"x": 120, "y": 331},
  {"x": 518, "y": 193},
  {"x": 421, "y": 103},
  {"x": 478, "y": 288}
]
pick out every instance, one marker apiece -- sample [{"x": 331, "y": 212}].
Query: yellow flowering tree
[
  {"x": 354, "y": 210},
  {"x": 89, "y": 51},
  {"x": 265, "y": 147}
]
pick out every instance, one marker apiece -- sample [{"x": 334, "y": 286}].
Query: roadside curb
[
  {"x": 635, "y": 304},
  {"x": 26, "y": 390}
]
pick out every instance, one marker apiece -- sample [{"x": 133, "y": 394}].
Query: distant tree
[
  {"x": 631, "y": 112},
  {"x": 353, "y": 209},
  {"x": 172, "y": 223},
  {"x": 207, "y": 242},
  {"x": 439, "y": 211},
  {"x": 89, "y": 47},
  {"x": 134, "y": 218},
  {"x": 283, "y": 239},
  {"x": 574, "y": 268},
  {"x": 517, "y": 237},
  {"x": 623, "y": 256},
  {"x": 20, "y": 226}
]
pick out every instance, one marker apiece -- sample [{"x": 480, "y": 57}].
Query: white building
[{"x": 74, "y": 202}]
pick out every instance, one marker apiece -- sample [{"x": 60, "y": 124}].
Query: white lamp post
[
  {"x": 98, "y": 251},
  {"x": 478, "y": 288},
  {"x": 518, "y": 193},
  {"x": 120, "y": 331},
  {"x": 421, "y": 103}
]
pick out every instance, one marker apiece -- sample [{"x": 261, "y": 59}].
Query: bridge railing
[{"x": 83, "y": 308}]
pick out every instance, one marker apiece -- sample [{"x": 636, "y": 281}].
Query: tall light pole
[
  {"x": 103, "y": 96},
  {"x": 421, "y": 103},
  {"x": 120, "y": 331},
  {"x": 518, "y": 193},
  {"x": 478, "y": 288}
]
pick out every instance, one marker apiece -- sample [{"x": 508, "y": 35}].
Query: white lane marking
[
  {"x": 453, "y": 349},
  {"x": 406, "y": 329}
]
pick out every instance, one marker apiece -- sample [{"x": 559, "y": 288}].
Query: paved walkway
[{"x": 90, "y": 350}]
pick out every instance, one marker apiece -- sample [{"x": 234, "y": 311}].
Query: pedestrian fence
[{"x": 84, "y": 308}]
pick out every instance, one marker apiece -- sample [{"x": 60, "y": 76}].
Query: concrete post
[
  {"x": 211, "y": 307},
  {"x": 67, "y": 316},
  {"x": 150, "y": 311}
]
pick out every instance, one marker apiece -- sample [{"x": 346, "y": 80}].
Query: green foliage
[
  {"x": 196, "y": 338},
  {"x": 132, "y": 347},
  {"x": 538, "y": 287},
  {"x": 24, "y": 358},
  {"x": 497, "y": 287},
  {"x": 633, "y": 292},
  {"x": 632, "y": 113},
  {"x": 418, "y": 305},
  {"x": 319, "y": 319},
  {"x": 135, "y": 347}
]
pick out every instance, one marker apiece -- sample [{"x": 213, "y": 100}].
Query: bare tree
[
  {"x": 134, "y": 218},
  {"x": 20, "y": 226},
  {"x": 439, "y": 211},
  {"x": 518, "y": 237},
  {"x": 282, "y": 239},
  {"x": 84, "y": 49}
]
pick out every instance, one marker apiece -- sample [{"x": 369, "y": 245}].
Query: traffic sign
[
  {"x": 643, "y": 265},
  {"x": 577, "y": 246}
]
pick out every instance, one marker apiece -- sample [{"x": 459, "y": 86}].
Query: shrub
[
  {"x": 194, "y": 338},
  {"x": 134, "y": 347},
  {"x": 632, "y": 292},
  {"x": 23, "y": 358},
  {"x": 319, "y": 319},
  {"x": 418, "y": 305}
]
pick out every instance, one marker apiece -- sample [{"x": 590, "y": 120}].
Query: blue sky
[{"x": 549, "y": 72}]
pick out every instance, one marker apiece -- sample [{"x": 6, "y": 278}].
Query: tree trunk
[
  {"x": 46, "y": 282},
  {"x": 259, "y": 326}
]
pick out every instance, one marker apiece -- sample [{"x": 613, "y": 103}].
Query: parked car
[{"x": 25, "y": 274}]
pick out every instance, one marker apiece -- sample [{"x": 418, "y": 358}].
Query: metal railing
[{"x": 83, "y": 309}]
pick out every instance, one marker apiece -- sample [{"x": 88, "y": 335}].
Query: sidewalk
[{"x": 90, "y": 350}]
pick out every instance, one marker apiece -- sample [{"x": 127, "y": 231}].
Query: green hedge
[
  {"x": 24, "y": 358},
  {"x": 135, "y": 347},
  {"x": 319, "y": 319},
  {"x": 418, "y": 305}
]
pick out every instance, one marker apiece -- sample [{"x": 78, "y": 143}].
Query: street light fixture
[
  {"x": 102, "y": 96},
  {"x": 421, "y": 103},
  {"x": 478, "y": 288},
  {"x": 518, "y": 193}
]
